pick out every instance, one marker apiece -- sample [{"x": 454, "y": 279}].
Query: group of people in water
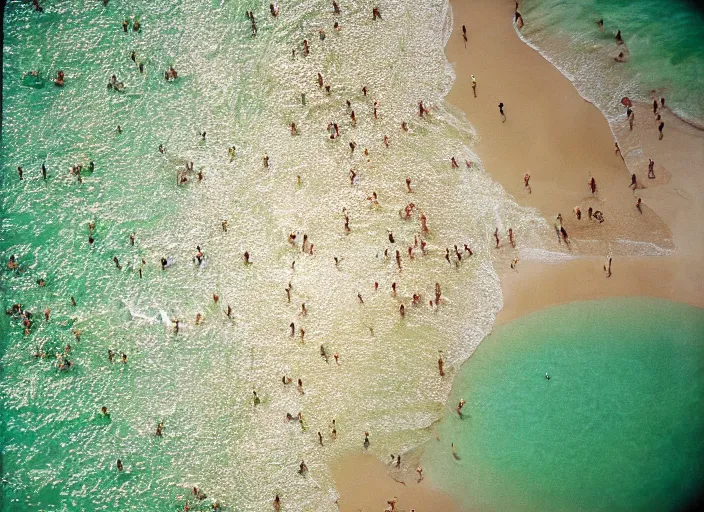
[{"x": 416, "y": 248}]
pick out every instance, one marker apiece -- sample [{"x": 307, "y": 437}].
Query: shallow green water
[
  {"x": 619, "y": 425},
  {"x": 57, "y": 453}
]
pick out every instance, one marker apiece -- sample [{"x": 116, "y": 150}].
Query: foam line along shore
[{"x": 563, "y": 140}]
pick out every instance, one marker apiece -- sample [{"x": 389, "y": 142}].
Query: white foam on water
[{"x": 243, "y": 91}]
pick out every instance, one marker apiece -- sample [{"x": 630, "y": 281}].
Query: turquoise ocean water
[
  {"x": 664, "y": 45},
  {"x": 619, "y": 425},
  {"x": 58, "y": 453}
]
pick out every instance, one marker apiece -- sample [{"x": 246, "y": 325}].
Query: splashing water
[{"x": 59, "y": 452}]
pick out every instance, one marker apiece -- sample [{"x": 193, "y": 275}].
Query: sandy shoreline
[{"x": 562, "y": 140}]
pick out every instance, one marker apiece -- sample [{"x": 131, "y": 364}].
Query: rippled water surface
[
  {"x": 618, "y": 426},
  {"x": 663, "y": 48},
  {"x": 59, "y": 453}
]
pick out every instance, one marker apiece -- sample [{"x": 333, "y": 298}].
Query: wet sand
[
  {"x": 367, "y": 484},
  {"x": 562, "y": 140}
]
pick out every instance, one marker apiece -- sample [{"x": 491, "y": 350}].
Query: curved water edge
[
  {"x": 199, "y": 381},
  {"x": 618, "y": 426},
  {"x": 665, "y": 62}
]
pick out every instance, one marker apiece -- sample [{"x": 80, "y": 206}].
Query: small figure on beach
[
  {"x": 526, "y": 182},
  {"x": 651, "y": 169},
  {"x": 638, "y": 205},
  {"x": 501, "y": 110},
  {"x": 660, "y": 127},
  {"x": 366, "y": 440},
  {"x": 592, "y": 185},
  {"x": 617, "y": 150},
  {"x": 607, "y": 267},
  {"x": 474, "y": 86},
  {"x": 619, "y": 39}
]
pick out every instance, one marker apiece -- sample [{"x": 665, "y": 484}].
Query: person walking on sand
[
  {"x": 419, "y": 470},
  {"x": 660, "y": 127},
  {"x": 464, "y": 35},
  {"x": 501, "y": 110},
  {"x": 607, "y": 267},
  {"x": 639, "y": 206},
  {"x": 526, "y": 182},
  {"x": 592, "y": 185},
  {"x": 651, "y": 169},
  {"x": 474, "y": 86},
  {"x": 496, "y": 237}
]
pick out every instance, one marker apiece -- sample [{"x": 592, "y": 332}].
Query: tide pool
[{"x": 619, "y": 425}]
